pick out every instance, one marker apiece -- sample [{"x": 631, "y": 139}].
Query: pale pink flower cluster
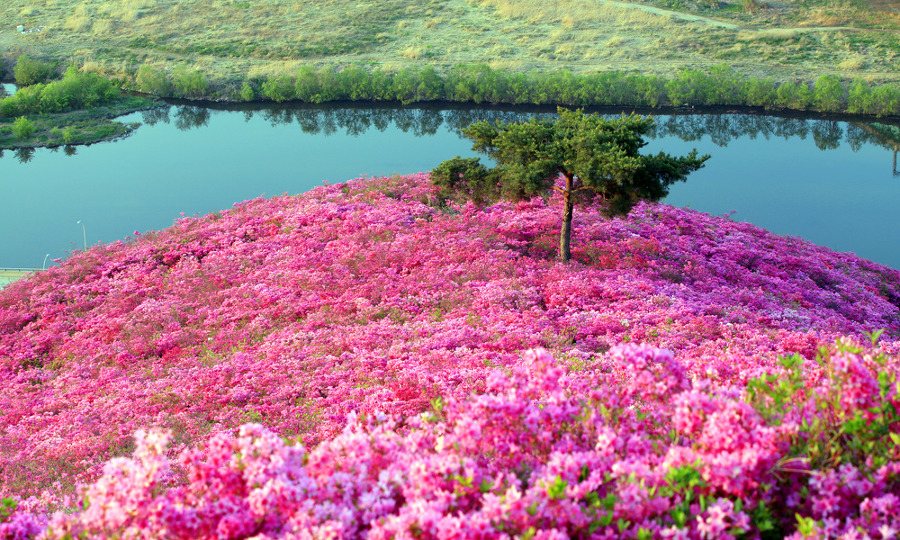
[{"x": 337, "y": 317}]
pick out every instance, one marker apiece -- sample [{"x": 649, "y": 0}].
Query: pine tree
[{"x": 590, "y": 156}]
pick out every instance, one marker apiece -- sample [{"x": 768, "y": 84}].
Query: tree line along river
[{"x": 831, "y": 182}]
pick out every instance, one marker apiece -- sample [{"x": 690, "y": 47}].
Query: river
[{"x": 833, "y": 183}]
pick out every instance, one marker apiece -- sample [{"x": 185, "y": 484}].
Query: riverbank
[
  {"x": 479, "y": 84},
  {"x": 78, "y": 127},
  {"x": 721, "y": 86}
]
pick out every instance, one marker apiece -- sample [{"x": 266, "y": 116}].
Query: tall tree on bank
[{"x": 581, "y": 156}]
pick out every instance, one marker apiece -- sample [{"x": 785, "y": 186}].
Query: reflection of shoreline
[
  {"x": 722, "y": 128},
  {"x": 353, "y": 119}
]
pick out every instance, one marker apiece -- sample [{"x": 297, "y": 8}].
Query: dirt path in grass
[
  {"x": 732, "y": 26},
  {"x": 673, "y": 14}
]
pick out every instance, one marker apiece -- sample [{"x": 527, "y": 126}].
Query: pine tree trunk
[{"x": 565, "y": 235}]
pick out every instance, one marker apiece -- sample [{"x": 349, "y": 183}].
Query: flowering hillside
[{"x": 435, "y": 373}]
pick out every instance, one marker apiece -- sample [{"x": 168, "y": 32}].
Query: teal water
[{"x": 832, "y": 183}]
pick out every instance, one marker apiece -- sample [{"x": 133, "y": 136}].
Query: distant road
[
  {"x": 672, "y": 14},
  {"x": 731, "y": 26},
  {"x": 8, "y": 275}
]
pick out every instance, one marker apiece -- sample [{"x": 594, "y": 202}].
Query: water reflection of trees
[
  {"x": 883, "y": 134},
  {"x": 722, "y": 129},
  {"x": 156, "y": 115},
  {"x": 187, "y": 117},
  {"x": 356, "y": 121},
  {"x": 190, "y": 117},
  {"x": 24, "y": 155}
]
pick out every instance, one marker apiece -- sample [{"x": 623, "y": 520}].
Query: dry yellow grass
[
  {"x": 851, "y": 64},
  {"x": 78, "y": 23},
  {"x": 91, "y": 66},
  {"x": 413, "y": 52},
  {"x": 566, "y": 12},
  {"x": 821, "y": 17}
]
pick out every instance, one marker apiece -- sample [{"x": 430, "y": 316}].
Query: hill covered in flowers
[{"x": 402, "y": 369}]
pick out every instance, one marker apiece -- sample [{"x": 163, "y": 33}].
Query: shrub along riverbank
[
  {"x": 77, "y": 109},
  {"x": 721, "y": 86},
  {"x": 32, "y": 117}
]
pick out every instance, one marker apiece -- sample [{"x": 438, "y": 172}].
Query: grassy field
[{"x": 231, "y": 40}]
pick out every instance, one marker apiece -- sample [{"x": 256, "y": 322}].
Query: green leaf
[
  {"x": 464, "y": 481},
  {"x": 806, "y": 526},
  {"x": 874, "y": 335},
  {"x": 789, "y": 362},
  {"x": 557, "y": 490},
  {"x": 7, "y": 507},
  {"x": 585, "y": 473},
  {"x": 762, "y": 518},
  {"x": 609, "y": 502},
  {"x": 437, "y": 404}
]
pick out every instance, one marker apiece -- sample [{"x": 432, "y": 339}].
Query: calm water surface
[{"x": 832, "y": 183}]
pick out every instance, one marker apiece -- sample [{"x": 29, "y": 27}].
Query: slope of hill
[
  {"x": 366, "y": 299},
  {"x": 231, "y": 40}
]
